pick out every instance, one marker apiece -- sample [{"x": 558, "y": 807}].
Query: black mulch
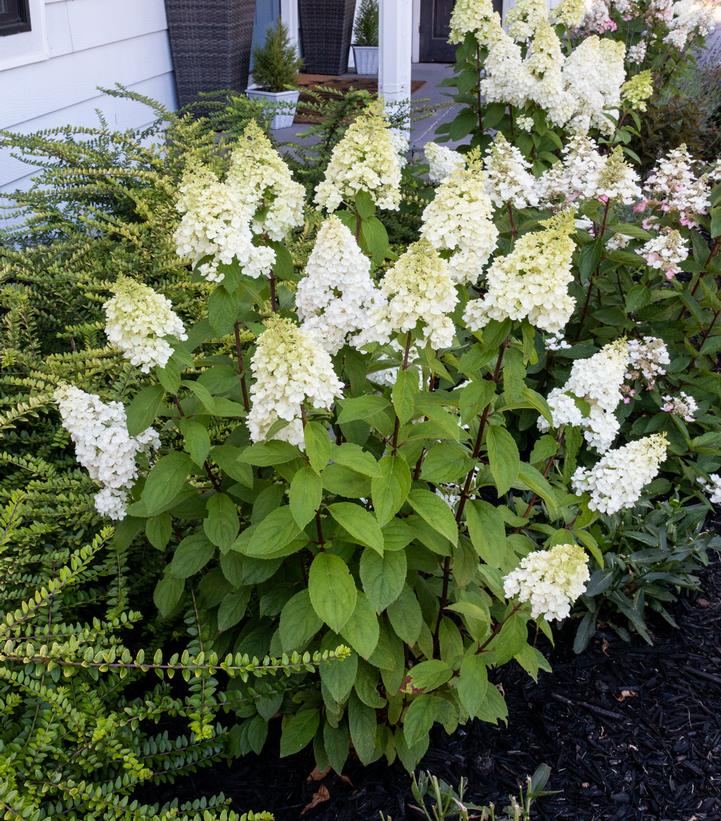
[{"x": 630, "y": 732}]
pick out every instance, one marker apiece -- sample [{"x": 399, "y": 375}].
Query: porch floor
[{"x": 431, "y": 96}]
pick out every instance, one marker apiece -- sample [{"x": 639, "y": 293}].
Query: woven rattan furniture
[
  {"x": 211, "y": 43},
  {"x": 326, "y": 27}
]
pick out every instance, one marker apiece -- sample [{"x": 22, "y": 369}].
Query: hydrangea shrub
[{"x": 414, "y": 450}]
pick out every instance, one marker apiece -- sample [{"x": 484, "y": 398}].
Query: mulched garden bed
[{"x": 630, "y": 732}]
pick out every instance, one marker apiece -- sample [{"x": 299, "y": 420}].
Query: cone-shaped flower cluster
[
  {"x": 532, "y": 281},
  {"x": 138, "y": 321},
  {"x": 508, "y": 175},
  {"x": 617, "y": 480},
  {"x": 336, "y": 297},
  {"x": 551, "y": 580},
  {"x": 290, "y": 368},
  {"x": 459, "y": 219},
  {"x": 420, "y": 293},
  {"x": 103, "y": 445},
  {"x": 369, "y": 158},
  {"x": 442, "y": 161},
  {"x": 221, "y": 219},
  {"x": 596, "y": 382}
]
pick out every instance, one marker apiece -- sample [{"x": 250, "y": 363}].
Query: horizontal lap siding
[{"x": 91, "y": 44}]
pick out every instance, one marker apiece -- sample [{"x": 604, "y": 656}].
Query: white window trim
[{"x": 27, "y": 46}]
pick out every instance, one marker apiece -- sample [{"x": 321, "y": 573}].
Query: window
[{"x": 14, "y": 17}]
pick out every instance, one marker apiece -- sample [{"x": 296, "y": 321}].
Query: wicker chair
[
  {"x": 211, "y": 43},
  {"x": 326, "y": 27}
]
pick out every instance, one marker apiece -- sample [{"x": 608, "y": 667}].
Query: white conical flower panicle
[
  {"x": 576, "y": 176},
  {"x": 674, "y": 187},
  {"x": 336, "y": 296},
  {"x": 524, "y": 17},
  {"x": 617, "y": 480},
  {"x": 442, "y": 161},
  {"x": 474, "y": 17},
  {"x": 138, "y": 321},
  {"x": 459, "y": 219},
  {"x": 593, "y": 75},
  {"x": 682, "y": 405},
  {"x": 290, "y": 368},
  {"x": 262, "y": 174},
  {"x": 368, "y": 158},
  {"x": 618, "y": 181},
  {"x": 103, "y": 446},
  {"x": 647, "y": 359},
  {"x": 220, "y": 220},
  {"x": 596, "y": 382},
  {"x": 420, "y": 292},
  {"x": 508, "y": 175},
  {"x": 532, "y": 281},
  {"x": 666, "y": 252},
  {"x": 550, "y": 580}
]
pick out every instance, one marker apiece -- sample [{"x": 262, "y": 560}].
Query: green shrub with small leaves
[{"x": 366, "y": 24}]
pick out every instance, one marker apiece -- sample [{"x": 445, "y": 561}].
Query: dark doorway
[{"x": 435, "y": 26}]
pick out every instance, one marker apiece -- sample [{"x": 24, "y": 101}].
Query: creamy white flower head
[
  {"x": 637, "y": 52},
  {"x": 290, "y": 368},
  {"x": 596, "y": 381},
  {"x": 551, "y": 580},
  {"x": 262, "y": 174},
  {"x": 674, "y": 186},
  {"x": 506, "y": 75},
  {"x": 666, "y": 251},
  {"x": 545, "y": 66},
  {"x": 618, "y": 180},
  {"x": 476, "y": 17},
  {"x": 419, "y": 291},
  {"x": 713, "y": 488},
  {"x": 221, "y": 219},
  {"x": 366, "y": 159},
  {"x": 525, "y": 123},
  {"x": 532, "y": 281},
  {"x": 336, "y": 296},
  {"x": 689, "y": 19},
  {"x": 617, "y": 480},
  {"x": 593, "y": 75},
  {"x": 570, "y": 13},
  {"x": 523, "y": 18},
  {"x": 138, "y": 322},
  {"x": 576, "y": 176},
  {"x": 637, "y": 90},
  {"x": 460, "y": 219},
  {"x": 647, "y": 359},
  {"x": 682, "y": 405},
  {"x": 103, "y": 445},
  {"x": 508, "y": 175},
  {"x": 442, "y": 161}
]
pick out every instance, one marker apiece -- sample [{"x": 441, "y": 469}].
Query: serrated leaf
[
  {"x": 390, "y": 490},
  {"x": 488, "y": 533},
  {"x": 165, "y": 481},
  {"x": 383, "y": 577},
  {"x": 332, "y": 590},
  {"x": 435, "y": 512},
  {"x": 305, "y": 495},
  {"x": 221, "y": 524},
  {"x": 359, "y": 523},
  {"x": 144, "y": 408},
  {"x": 317, "y": 445},
  {"x": 503, "y": 458}
]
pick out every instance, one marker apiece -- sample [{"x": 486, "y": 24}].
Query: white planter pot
[
  {"x": 280, "y": 105},
  {"x": 366, "y": 59}
]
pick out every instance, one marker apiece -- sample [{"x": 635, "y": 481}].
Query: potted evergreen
[
  {"x": 275, "y": 76},
  {"x": 365, "y": 43}
]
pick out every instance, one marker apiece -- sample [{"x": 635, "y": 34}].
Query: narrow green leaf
[
  {"x": 503, "y": 458},
  {"x": 359, "y": 523},
  {"x": 390, "y": 490},
  {"x": 304, "y": 496}
]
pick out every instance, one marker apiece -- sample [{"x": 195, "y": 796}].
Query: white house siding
[{"x": 90, "y": 43}]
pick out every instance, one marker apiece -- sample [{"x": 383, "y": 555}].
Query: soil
[{"x": 631, "y": 733}]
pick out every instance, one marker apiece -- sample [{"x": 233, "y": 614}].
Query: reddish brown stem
[
  {"x": 241, "y": 367},
  {"x": 594, "y": 274},
  {"x": 206, "y": 464}
]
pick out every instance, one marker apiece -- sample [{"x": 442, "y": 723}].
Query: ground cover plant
[{"x": 399, "y": 452}]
